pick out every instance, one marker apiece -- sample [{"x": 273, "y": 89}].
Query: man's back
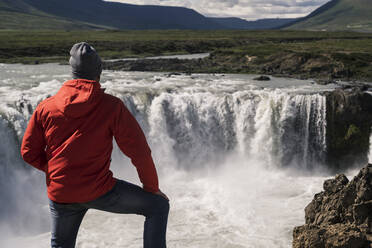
[{"x": 78, "y": 125}]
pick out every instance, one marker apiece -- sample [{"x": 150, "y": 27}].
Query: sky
[{"x": 247, "y": 9}]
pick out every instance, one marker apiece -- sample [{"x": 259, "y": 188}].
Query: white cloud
[{"x": 247, "y": 9}]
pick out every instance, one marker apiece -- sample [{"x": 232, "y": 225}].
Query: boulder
[
  {"x": 262, "y": 78},
  {"x": 340, "y": 216}
]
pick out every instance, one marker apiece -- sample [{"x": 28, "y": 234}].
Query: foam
[{"x": 218, "y": 142}]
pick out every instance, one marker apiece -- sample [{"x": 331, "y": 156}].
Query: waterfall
[
  {"x": 192, "y": 122},
  {"x": 192, "y": 128},
  {"x": 278, "y": 128}
]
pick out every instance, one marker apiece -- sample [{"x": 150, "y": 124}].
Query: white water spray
[{"x": 225, "y": 148}]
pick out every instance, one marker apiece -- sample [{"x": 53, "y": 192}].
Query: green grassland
[
  {"x": 304, "y": 54},
  {"x": 353, "y": 15}
]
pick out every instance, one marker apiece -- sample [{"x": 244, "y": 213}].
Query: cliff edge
[{"x": 340, "y": 216}]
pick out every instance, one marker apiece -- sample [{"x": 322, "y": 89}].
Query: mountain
[
  {"x": 18, "y": 14},
  {"x": 98, "y": 13},
  {"x": 238, "y": 23},
  {"x": 338, "y": 15}
]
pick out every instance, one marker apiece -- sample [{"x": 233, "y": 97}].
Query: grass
[
  {"x": 349, "y": 49},
  {"x": 156, "y": 42}
]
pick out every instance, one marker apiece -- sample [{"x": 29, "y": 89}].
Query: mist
[{"x": 239, "y": 159}]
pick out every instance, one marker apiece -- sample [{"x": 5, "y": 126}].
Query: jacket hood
[{"x": 76, "y": 98}]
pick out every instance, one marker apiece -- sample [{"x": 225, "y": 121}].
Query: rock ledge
[{"x": 340, "y": 216}]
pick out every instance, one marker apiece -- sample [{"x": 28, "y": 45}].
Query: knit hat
[{"x": 85, "y": 62}]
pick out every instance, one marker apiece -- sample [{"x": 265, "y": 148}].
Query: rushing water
[
  {"x": 184, "y": 56},
  {"x": 239, "y": 159}
]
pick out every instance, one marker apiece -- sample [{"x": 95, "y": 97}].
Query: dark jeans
[{"x": 124, "y": 198}]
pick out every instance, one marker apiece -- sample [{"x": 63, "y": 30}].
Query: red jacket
[{"x": 70, "y": 135}]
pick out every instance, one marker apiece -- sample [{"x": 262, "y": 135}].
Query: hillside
[
  {"x": 16, "y": 14},
  {"x": 339, "y": 15},
  {"x": 98, "y": 14},
  {"x": 56, "y": 14},
  {"x": 336, "y": 15}
]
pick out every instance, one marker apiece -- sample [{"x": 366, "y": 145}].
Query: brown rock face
[{"x": 340, "y": 216}]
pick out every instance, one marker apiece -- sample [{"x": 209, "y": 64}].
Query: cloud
[{"x": 247, "y": 9}]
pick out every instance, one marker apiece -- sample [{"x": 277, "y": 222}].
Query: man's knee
[
  {"x": 161, "y": 206},
  {"x": 164, "y": 206}
]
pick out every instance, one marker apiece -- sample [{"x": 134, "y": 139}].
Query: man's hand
[{"x": 162, "y": 194}]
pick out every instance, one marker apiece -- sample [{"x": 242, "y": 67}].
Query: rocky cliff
[
  {"x": 340, "y": 216},
  {"x": 349, "y": 121}
]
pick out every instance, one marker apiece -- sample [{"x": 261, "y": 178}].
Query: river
[{"x": 239, "y": 159}]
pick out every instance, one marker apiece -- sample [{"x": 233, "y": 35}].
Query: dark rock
[
  {"x": 262, "y": 78},
  {"x": 356, "y": 85},
  {"x": 349, "y": 121},
  {"x": 336, "y": 184},
  {"x": 364, "y": 87},
  {"x": 340, "y": 216},
  {"x": 325, "y": 81},
  {"x": 174, "y": 74},
  {"x": 362, "y": 212},
  {"x": 347, "y": 86}
]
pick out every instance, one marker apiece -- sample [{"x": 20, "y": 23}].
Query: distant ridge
[
  {"x": 238, "y": 23},
  {"x": 20, "y": 14},
  {"x": 338, "y": 15},
  {"x": 99, "y": 14}
]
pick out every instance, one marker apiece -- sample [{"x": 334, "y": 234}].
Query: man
[{"x": 69, "y": 137}]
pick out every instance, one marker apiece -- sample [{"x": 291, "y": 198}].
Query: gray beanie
[{"x": 85, "y": 61}]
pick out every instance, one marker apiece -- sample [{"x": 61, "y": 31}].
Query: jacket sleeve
[
  {"x": 33, "y": 144},
  {"x": 132, "y": 142}
]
